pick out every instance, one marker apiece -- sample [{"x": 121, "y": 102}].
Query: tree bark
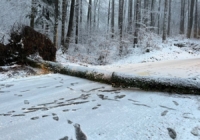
[
  {"x": 164, "y": 37},
  {"x": 113, "y": 19},
  {"x": 137, "y": 21},
  {"x": 169, "y": 18},
  {"x": 146, "y": 13},
  {"x": 81, "y": 20},
  {"x": 70, "y": 26},
  {"x": 150, "y": 84},
  {"x": 130, "y": 16},
  {"x": 153, "y": 15},
  {"x": 159, "y": 14},
  {"x": 95, "y": 14},
  {"x": 144, "y": 83},
  {"x": 64, "y": 10},
  {"x": 98, "y": 20},
  {"x": 120, "y": 18},
  {"x": 120, "y": 23},
  {"x": 196, "y": 21},
  {"x": 108, "y": 24},
  {"x": 89, "y": 16},
  {"x": 55, "y": 38},
  {"x": 33, "y": 13},
  {"x": 182, "y": 19},
  {"x": 77, "y": 21},
  {"x": 46, "y": 23},
  {"x": 190, "y": 19}
]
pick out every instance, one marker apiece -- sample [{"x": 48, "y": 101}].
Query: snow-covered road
[
  {"x": 46, "y": 108},
  {"x": 184, "y": 68}
]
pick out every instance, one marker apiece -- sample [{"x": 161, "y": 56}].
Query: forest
[
  {"x": 115, "y": 19},
  {"x": 106, "y": 29},
  {"x": 99, "y": 69}
]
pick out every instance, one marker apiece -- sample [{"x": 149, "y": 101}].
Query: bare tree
[
  {"x": 108, "y": 24},
  {"x": 113, "y": 18},
  {"x": 196, "y": 20},
  {"x": 89, "y": 16},
  {"x": 94, "y": 14},
  {"x": 125, "y": 10},
  {"x": 98, "y": 20},
  {"x": 137, "y": 21},
  {"x": 120, "y": 23},
  {"x": 120, "y": 17},
  {"x": 33, "y": 13},
  {"x": 164, "y": 37},
  {"x": 153, "y": 14},
  {"x": 64, "y": 10},
  {"x": 81, "y": 20},
  {"x": 190, "y": 19},
  {"x": 55, "y": 38},
  {"x": 130, "y": 16},
  {"x": 169, "y": 18},
  {"x": 146, "y": 12},
  {"x": 182, "y": 19},
  {"x": 70, "y": 26},
  {"x": 159, "y": 14},
  {"x": 188, "y": 15},
  {"x": 77, "y": 21}
]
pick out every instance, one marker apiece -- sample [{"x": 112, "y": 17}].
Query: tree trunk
[
  {"x": 64, "y": 10},
  {"x": 55, "y": 38},
  {"x": 113, "y": 19},
  {"x": 120, "y": 18},
  {"x": 77, "y": 21},
  {"x": 89, "y": 16},
  {"x": 124, "y": 16},
  {"x": 70, "y": 26},
  {"x": 130, "y": 16},
  {"x": 137, "y": 20},
  {"x": 99, "y": 6},
  {"x": 108, "y": 24},
  {"x": 117, "y": 80},
  {"x": 33, "y": 13},
  {"x": 47, "y": 24},
  {"x": 153, "y": 15},
  {"x": 94, "y": 14},
  {"x": 196, "y": 20},
  {"x": 164, "y": 37},
  {"x": 146, "y": 13},
  {"x": 159, "y": 17},
  {"x": 190, "y": 22},
  {"x": 198, "y": 26},
  {"x": 182, "y": 19},
  {"x": 120, "y": 23},
  {"x": 81, "y": 21},
  {"x": 169, "y": 18},
  {"x": 188, "y": 16}
]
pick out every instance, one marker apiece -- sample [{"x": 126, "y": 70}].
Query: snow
[
  {"x": 12, "y": 13},
  {"x": 18, "y": 71},
  {"x": 104, "y": 113},
  {"x": 158, "y": 52},
  {"x": 186, "y": 69}
]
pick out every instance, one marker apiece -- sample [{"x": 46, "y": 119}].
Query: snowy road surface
[
  {"x": 185, "y": 68},
  {"x": 46, "y": 108}
]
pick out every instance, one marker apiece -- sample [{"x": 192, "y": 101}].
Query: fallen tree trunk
[
  {"x": 171, "y": 85},
  {"x": 78, "y": 71}
]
